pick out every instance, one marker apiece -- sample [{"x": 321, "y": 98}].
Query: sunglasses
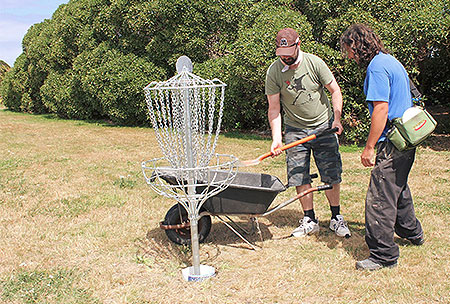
[{"x": 295, "y": 43}]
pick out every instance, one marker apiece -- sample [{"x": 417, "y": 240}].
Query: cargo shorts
[{"x": 325, "y": 151}]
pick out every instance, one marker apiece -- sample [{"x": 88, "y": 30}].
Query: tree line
[{"x": 93, "y": 58}]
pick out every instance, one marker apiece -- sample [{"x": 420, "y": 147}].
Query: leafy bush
[
  {"x": 62, "y": 94},
  {"x": 10, "y": 92},
  {"x": 4, "y": 67},
  {"x": 93, "y": 58},
  {"x": 121, "y": 78}
]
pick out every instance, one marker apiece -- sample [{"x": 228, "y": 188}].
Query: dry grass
[{"x": 79, "y": 225}]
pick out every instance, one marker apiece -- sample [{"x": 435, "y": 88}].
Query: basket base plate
[{"x": 206, "y": 272}]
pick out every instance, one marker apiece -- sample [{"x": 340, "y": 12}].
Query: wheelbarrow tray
[{"x": 248, "y": 193}]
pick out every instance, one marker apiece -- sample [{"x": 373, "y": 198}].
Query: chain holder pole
[{"x": 187, "y": 125}]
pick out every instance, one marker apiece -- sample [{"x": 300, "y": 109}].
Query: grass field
[{"x": 78, "y": 224}]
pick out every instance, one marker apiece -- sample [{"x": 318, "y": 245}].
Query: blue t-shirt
[{"x": 387, "y": 80}]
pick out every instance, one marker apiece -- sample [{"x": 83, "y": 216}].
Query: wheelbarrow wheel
[{"x": 182, "y": 236}]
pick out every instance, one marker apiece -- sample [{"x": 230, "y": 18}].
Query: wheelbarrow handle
[
  {"x": 301, "y": 141},
  {"x": 324, "y": 187},
  {"x": 299, "y": 195}
]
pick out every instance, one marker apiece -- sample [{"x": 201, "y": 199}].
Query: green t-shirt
[{"x": 302, "y": 91}]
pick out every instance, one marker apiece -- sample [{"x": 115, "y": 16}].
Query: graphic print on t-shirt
[{"x": 297, "y": 85}]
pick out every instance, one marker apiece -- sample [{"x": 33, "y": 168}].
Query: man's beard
[{"x": 290, "y": 60}]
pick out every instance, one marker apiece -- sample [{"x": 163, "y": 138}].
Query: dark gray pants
[{"x": 389, "y": 204}]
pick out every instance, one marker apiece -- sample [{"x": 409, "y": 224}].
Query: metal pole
[
  {"x": 195, "y": 244},
  {"x": 191, "y": 188}
]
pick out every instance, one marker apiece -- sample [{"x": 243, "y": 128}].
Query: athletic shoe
[
  {"x": 368, "y": 264},
  {"x": 307, "y": 226},
  {"x": 339, "y": 226},
  {"x": 418, "y": 241}
]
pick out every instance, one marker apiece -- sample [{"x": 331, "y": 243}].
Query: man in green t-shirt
[{"x": 296, "y": 82}]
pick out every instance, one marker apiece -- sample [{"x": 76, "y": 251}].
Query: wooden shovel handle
[{"x": 301, "y": 141}]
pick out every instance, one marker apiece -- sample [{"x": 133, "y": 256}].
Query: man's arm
[
  {"x": 274, "y": 116},
  {"x": 377, "y": 125},
  {"x": 336, "y": 101}
]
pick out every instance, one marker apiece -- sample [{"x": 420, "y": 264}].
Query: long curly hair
[{"x": 364, "y": 43}]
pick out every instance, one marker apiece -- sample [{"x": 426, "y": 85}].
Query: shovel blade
[{"x": 247, "y": 163}]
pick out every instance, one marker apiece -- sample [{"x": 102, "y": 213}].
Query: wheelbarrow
[{"x": 250, "y": 194}]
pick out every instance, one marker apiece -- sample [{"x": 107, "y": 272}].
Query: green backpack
[{"x": 415, "y": 125}]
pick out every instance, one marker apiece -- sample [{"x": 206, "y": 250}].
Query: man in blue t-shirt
[
  {"x": 389, "y": 205},
  {"x": 387, "y": 81}
]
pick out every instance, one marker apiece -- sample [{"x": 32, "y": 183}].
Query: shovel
[{"x": 253, "y": 162}]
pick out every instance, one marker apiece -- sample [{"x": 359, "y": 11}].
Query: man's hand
[
  {"x": 367, "y": 157},
  {"x": 337, "y": 124},
  {"x": 275, "y": 148}
]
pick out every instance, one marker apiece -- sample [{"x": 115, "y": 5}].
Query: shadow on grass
[
  {"x": 160, "y": 247},
  {"x": 162, "y": 250},
  {"x": 438, "y": 142},
  {"x": 355, "y": 245},
  {"x": 220, "y": 234},
  {"x": 156, "y": 249}
]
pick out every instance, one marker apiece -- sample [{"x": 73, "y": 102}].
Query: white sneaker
[
  {"x": 340, "y": 227},
  {"x": 307, "y": 226}
]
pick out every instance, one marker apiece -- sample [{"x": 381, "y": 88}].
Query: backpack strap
[{"x": 415, "y": 94}]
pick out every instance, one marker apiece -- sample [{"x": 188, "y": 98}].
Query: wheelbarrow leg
[
  {"x": 236, "y": 232},
  {"x": 245, "y": 231},
  {"x": 255, "y": 223}
]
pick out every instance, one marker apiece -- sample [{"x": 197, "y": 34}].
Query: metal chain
[{"x": 166, "y": 106}]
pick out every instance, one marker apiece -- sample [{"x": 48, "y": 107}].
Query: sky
[{"x": 16, "y": 17}]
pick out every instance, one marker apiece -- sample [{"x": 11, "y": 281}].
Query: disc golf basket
[{"x": 186, "y": 113}]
